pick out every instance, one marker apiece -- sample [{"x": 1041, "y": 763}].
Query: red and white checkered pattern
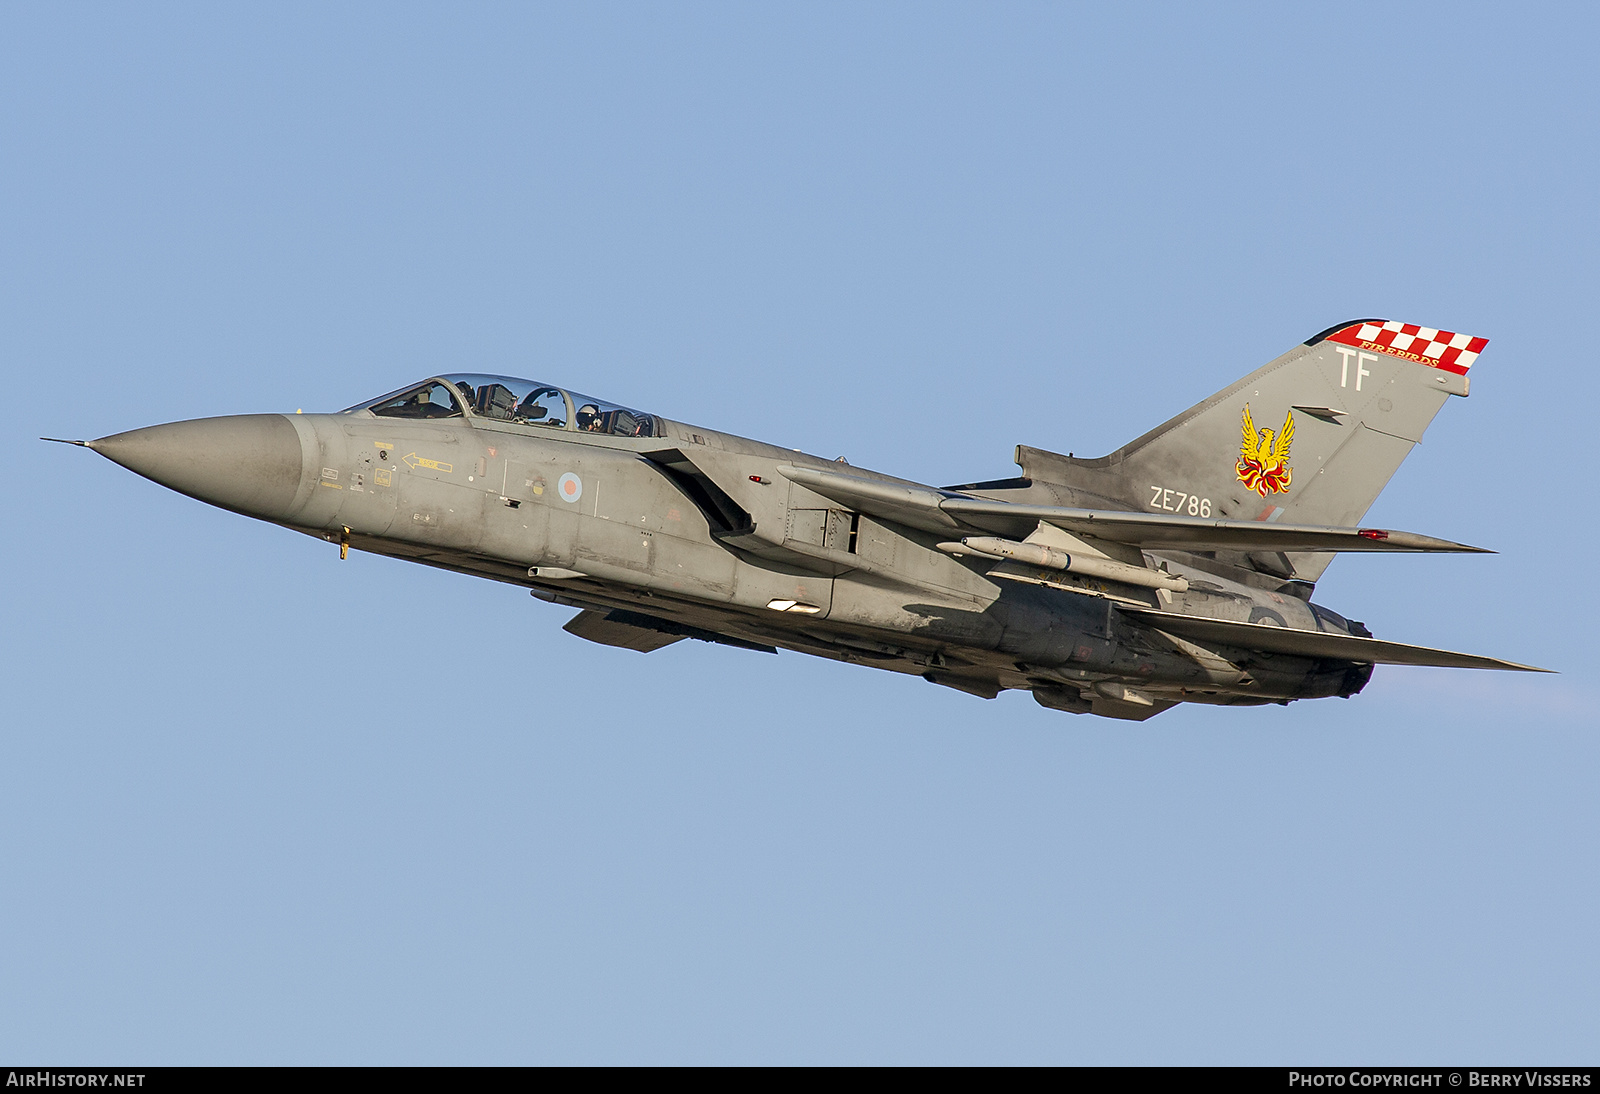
[{"x": 1439, "y": 348}]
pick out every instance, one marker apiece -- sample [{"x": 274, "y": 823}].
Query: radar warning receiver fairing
[{"x": 1178, "y": 569}]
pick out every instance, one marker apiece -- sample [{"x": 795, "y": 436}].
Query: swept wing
[{"x": 944, "y": 511}]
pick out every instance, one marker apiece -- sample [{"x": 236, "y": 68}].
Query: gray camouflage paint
[{"x": 859, "y": 554}]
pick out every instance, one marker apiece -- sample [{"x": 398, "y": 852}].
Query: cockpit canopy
[{"x": 508, "y": 399}]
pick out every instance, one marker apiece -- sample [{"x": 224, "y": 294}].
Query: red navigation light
[{"x": 1372, "y": 533}]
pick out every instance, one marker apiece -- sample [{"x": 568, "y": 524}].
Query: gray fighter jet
[{"x": 1180, "y": 568}]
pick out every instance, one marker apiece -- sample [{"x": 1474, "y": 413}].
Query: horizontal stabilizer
[
  {"x": 943, "y": 511},
  {"x": 1296, "y": 643}
]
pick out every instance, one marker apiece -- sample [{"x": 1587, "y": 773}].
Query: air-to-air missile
[{"x": 1178, "y": 569}]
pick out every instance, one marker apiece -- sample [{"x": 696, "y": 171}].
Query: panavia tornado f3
[{"x": 1178, "y": 569}]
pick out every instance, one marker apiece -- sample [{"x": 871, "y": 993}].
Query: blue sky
[{"x": 265, "y": 807}]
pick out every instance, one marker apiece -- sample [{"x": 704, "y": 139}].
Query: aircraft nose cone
[{"x": 249, "y": 463}]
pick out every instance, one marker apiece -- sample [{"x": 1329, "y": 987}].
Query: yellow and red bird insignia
[{"x": 1264, "y": 459}]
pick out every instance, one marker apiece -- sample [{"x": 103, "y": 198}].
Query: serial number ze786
[{"x": 1176, "y": 501}]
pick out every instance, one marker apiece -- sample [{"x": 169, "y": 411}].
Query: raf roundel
[{"x": 569, "y": 487}]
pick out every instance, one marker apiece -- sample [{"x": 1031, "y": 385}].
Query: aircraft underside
[{"x": 1121, "y": 669}]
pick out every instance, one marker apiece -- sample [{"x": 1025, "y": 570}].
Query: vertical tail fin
[{"x": 1310, "y": 438}]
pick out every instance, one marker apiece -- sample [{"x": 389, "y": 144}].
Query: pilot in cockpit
[{"x": 589, "y": 420}]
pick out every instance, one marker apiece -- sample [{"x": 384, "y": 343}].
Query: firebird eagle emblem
[{"x": 1263, "y": 459}]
